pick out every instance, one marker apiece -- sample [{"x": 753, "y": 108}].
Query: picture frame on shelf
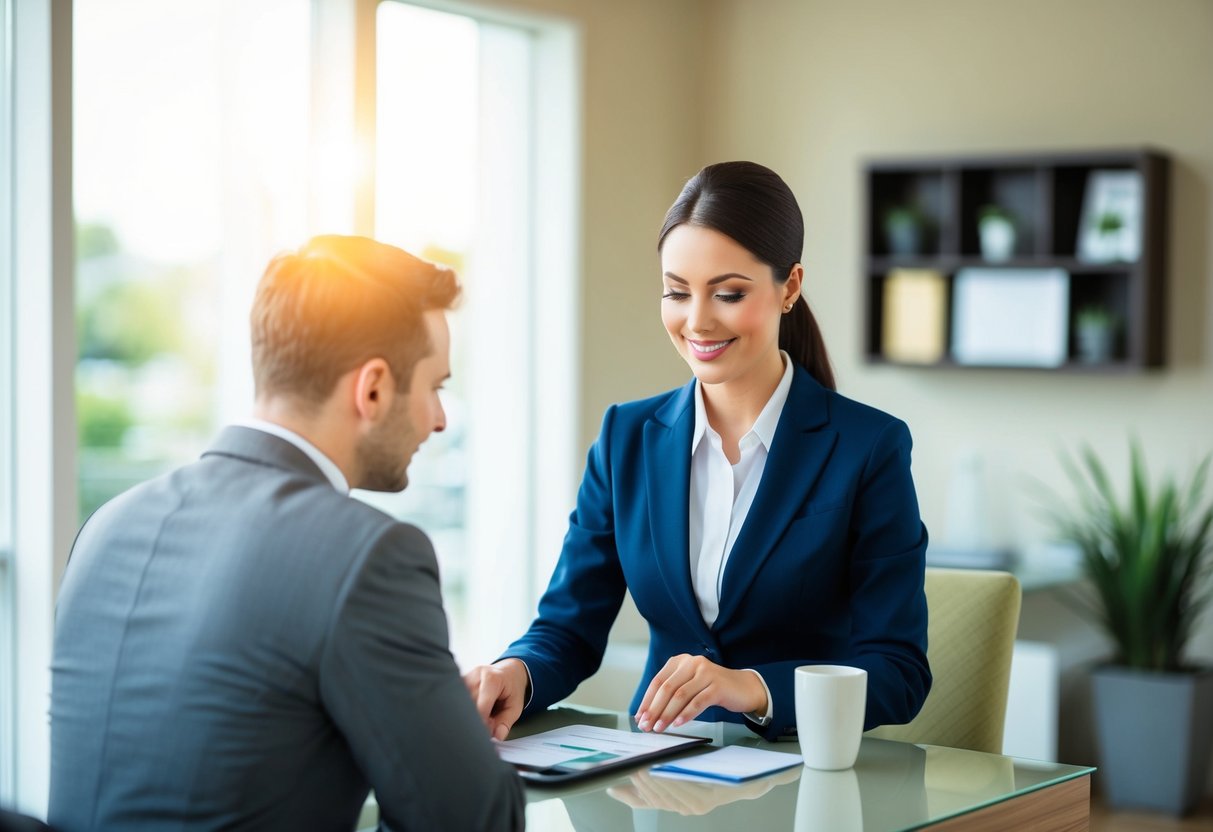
[
  {"x": 1011, "y": 317},
  {"x": 915, "y": 304},
  {"x": 1110, "y": 228}
]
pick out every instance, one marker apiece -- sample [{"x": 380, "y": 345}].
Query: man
[{"x": 239, "y": 644}]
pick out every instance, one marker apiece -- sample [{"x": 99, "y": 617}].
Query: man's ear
[{"x": 374, "y": 387}]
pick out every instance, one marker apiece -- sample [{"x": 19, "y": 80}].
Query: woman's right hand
[{"x": 499, "y": 691}]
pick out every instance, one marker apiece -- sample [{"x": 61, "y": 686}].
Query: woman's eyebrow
[{"x": 718, "y": 279}]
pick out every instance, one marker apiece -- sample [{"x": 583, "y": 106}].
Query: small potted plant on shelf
[
  {"x": 1146, "y": 560},
  {"x": 1109, "y": 227},
  {"x": 905, "y": 228},
  {"x": 1095, "y": 333},
  {"x": 996, "y": 230}
]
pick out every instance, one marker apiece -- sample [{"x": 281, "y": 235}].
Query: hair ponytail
[
  {"x": 752, "y": 205},
  {"x": 800, "y": 337}
]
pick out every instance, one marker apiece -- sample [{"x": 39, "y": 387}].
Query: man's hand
[
  {"x": 689, "y": 685},
  {"x": 499, "y": 691}
]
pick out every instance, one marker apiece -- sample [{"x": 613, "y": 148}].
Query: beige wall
[{"x": 812, "y": 88}]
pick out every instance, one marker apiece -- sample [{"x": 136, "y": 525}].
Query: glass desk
[{"x": 893, "y": 787}]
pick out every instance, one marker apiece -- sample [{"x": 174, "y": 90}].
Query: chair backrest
[{"x": 972, "y": 619}]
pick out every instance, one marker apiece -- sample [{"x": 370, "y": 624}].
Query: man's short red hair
[{"x": 336, "y": 303}]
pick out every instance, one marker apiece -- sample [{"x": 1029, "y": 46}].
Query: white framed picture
[
  {"x": 1010, "y": 317},
  {"x": 1109, "y": 230}
]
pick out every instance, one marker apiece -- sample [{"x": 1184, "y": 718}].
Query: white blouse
[{"x": 721, "y": 494}]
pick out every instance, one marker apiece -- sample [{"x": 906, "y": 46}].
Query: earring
[{"x": 788, "y": 308}]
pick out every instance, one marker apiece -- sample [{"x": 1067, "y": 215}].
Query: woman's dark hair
[{"x": 752, "y": 205}]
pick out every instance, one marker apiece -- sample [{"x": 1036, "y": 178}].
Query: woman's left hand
[{"x": 689, "y": 685}]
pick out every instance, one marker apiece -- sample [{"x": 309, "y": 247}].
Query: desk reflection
[
  {"x": 645, "y": 790},
  {"x": 891, "y": 777},
  {"x": 956, "y": 778},
  {"x": 894, "y": 786},
  {"x": 885, "y": 791},
  {"x": 646, "y": 803},
  {"x": 828, "y": 800}
]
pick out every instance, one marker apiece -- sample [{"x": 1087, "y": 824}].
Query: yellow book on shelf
[{"x": 914, "y": 316}]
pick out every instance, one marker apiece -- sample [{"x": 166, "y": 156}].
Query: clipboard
[{"x": 575, "y": 752}]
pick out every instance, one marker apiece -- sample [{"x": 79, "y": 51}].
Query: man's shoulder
[{"x": 249, "y": 504}]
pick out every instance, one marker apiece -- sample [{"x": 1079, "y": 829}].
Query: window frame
[
  {"x": 7, "y": 471},
  {"x": 44, "y": 419}
]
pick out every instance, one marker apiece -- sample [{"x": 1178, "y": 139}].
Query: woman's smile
[{"x": 709, "y": 350}]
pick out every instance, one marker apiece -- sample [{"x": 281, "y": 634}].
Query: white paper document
[
  {"x": 1010, "y": 317},
  {"x": 733, "y": 763},
  {"x": 580, "y": 747}
]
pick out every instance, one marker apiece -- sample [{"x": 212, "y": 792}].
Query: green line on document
[{"x": 570, "y": 747}]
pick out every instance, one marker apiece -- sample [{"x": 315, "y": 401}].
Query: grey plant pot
[
  {"x": 904, "y": 238},
  {"x": 1094, "y": 343},
  {"x": 1155, "y": 733}
]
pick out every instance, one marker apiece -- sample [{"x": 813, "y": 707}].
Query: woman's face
[{"x": 721, "y": 304}]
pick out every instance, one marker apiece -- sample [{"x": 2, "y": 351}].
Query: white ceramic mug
[{"x": 830, "y": 703}]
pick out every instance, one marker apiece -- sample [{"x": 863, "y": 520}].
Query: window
[
  {"x": 203, "y": 150},
  {"x": 191, "y": 127},
  {"x": 459, "y": 124},
  {"x": 204, "y": 139},
  {"x": 425, "y": 202}
]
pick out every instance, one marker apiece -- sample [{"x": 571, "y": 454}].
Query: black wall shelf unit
[{"x": 1048, "y": 197}]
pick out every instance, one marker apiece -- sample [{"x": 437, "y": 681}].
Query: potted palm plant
[{"x": 1146, "y": 560}]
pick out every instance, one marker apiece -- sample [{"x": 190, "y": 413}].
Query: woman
[{"x": 760, "y": 520}]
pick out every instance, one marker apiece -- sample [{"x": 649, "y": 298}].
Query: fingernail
[
  {"x": 677, "y": 721},
  {"x": 644, "y": 725},
  {"x": 660, "y": 724}
]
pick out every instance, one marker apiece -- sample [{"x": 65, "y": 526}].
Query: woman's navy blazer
[{"x": 827, "y": 569}]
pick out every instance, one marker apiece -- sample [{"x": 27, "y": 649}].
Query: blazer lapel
[
  {"x": 798, "y": 454},
  {"x": 667, "y": 463}
]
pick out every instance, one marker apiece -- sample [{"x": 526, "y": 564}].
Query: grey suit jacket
[{"x": 239, "y": 646}]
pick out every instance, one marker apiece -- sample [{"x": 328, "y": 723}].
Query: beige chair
[{"x": 972, "y": 619}]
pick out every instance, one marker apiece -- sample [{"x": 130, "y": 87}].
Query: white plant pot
[{"x": 997, "y": 239}]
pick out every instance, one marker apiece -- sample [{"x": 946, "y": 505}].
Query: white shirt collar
[
  {"x": 764, "y": 426},
  {"x": 326, "y": 465}
]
